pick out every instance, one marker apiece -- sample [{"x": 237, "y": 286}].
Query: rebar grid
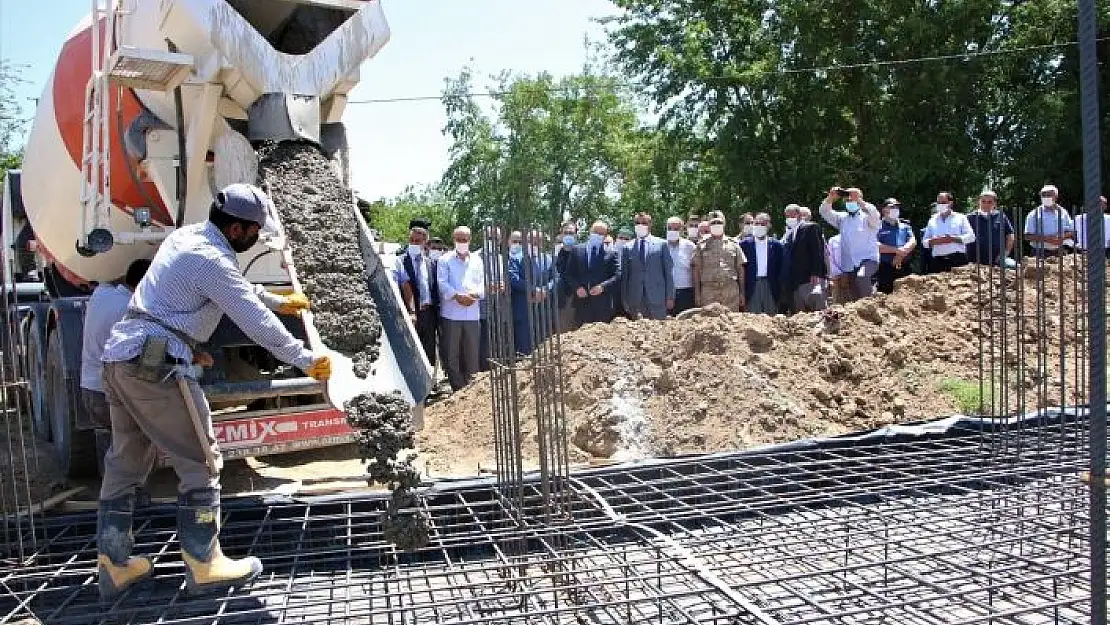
[{"x": 914, "y": 530}]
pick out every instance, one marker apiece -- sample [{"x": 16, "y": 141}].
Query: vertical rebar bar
[{"x": 1096, "y": 298}]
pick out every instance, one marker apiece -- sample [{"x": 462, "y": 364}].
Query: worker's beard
[{"x": 243, "y": 243}]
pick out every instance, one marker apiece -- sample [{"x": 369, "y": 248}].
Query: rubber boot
[
  {"x": 117, "y": 569},
  {"x": 207, "y": 569}
]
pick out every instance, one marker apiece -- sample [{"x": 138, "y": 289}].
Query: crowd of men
[{"x": 635, "y": 274}]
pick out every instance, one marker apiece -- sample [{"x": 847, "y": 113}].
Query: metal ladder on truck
[{"x": 114, "y": 67}]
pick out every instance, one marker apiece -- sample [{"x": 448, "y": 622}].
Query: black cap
[{"x": 420, "y": 222}]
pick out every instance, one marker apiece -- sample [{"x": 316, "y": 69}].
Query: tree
[
  {"x": 12, "y": 122},
  {"x": 792, "y": 96},
  {"x": 391, "y": 216},
  {"x": 548, "y": 149}
]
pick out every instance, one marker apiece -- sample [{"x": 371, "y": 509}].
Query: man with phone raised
[{"x": 859, "y": 225}]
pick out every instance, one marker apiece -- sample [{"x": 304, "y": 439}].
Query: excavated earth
[
  {"x": 316, "y": 212},
  {"x": 723, "y": 381}
]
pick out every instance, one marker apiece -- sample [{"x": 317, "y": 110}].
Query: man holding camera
[{"x": 859, "y": 225}]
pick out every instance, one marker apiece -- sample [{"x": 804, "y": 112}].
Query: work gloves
[
  {"x": 294, "y": 303},
  {"x": 320, "y": 370}
]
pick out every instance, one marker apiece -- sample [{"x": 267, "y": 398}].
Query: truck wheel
[
  {"x": 74, "y": 449},
  {"x": 36, "y": 379}
]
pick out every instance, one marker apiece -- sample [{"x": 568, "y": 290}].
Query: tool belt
[{"x": 154, "y": 362}]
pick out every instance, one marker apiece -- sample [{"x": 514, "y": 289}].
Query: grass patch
[{"x": 966, "y": 394}]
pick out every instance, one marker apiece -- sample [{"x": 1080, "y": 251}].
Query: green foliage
[
  {"x": 12, "y": 123},
  {"x": 550, "y": 148},
  {"x": 740, "y": 75},
  {"x": 391, "y": 217},
  {"x": 966, "y": 393}
]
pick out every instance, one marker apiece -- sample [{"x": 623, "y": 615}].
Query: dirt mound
[{"x": 716, "y": 380}]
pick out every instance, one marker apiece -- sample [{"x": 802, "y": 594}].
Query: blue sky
[{"x": 393, "y": 144}]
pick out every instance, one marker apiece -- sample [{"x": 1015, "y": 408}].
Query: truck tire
[
  {"x": 74, "y": 449},
  {"x": 35, "y": 370}
]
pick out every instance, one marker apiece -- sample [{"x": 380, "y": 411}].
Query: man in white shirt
[
  {"x": 947, "y": 236},
  {"x": 1081, "y": 227},
  {"x": 1048, "y": 225},
  {"x": 461, "y": 280},
  {"x": 107, "y": 305},
  {"x": 682, "y": 257},
  {"x": 859, "y": 225}
]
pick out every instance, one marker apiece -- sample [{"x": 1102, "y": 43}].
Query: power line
[{"x": 796, "y": 70}]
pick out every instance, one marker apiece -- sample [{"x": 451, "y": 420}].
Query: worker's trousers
[{"x": 147, "y": 416}]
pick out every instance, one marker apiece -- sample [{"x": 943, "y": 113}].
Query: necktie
[{"x": 643, "y": 252}]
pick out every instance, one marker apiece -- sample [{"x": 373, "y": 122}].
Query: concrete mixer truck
[{"x": 152, "y": 107}]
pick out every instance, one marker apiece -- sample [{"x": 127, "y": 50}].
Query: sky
[{"x": 393, "y": 145}]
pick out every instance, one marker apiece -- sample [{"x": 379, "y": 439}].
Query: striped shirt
[
  {"x": 107, "y": 305},
  {"x": 193, "y": 281}
]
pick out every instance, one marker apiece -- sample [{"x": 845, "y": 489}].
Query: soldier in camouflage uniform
[{"x": 719, "y": 268}]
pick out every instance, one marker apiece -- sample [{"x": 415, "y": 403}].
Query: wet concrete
[{"x": 315, "y": 209}]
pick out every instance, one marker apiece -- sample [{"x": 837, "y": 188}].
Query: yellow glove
[
  {"x": 320, "y": 369},
  {"x": 294, "y": 303}
]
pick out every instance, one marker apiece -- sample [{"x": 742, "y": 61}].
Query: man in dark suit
[
  {"x": 647, "y": 276},
  {"x": 763, "y": 273},
  {"x": 590, "y": 275},
  {"x": 805, "y": 267},
  {"x": 416, "y": 275}
]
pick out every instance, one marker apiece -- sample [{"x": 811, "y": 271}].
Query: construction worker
[
  {"x": 719, "y": 268},
  {"x": 156, "y": 402}
]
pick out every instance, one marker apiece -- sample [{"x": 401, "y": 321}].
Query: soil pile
[
  {"x": 316, "y": 212},
  {"x": 718, "y": 380}
]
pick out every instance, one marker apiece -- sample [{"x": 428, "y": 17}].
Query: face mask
[
  {"x": 986, "y": 211},
  {"x": 642, "y": 230},
  {"x": 692, "y": 232},
  {"x": 608, "y": 247},
  {"x": 673, "y": 235},
  {"x": 892, "y": 214},
  {"x": 620, "y": 244},
  {"x": 1046, "y": 202},
  {"x": 516, "y": 250},
  {"x": 462, "y": 248},
  {"x": 416, "y": 250},
  {"x": 568, "y": 239},
  {"x": 943, "y": 208},
  {"x": 759, "y": 231},
  {"x": 243, "y": 243},
  {"x": 791, "y": 222},
  {"x": 747, "y": 229},
  {"x": 596, "y": 239},
  {"x": 435, "y": 254},
  {"x": 852, "y": 207},
  {"x": 717, "y": 230}
]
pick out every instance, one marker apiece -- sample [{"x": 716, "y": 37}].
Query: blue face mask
[
  {"x": 568, "y": 239},
  {"x": 852, "y": 207},
  {"x": 596, "y": 239}
]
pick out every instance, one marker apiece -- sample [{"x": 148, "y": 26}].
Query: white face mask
[
  {"x": 717, "y": 230},
  {"x": 1047, "y": 202},
  {"x": 608, "y": 247},
  {"x": 892, "y": 213},
  {"x": 747, "y": 229},
  {"x": 791, "y": 222},
  {"x": 435, "y": 254},
  {"x": 515, "y": 249},
  {"x": 941, "y": 208},
  {"x": 416, "y": 250},
  {"x": 642, "y": 230},
  {"x": 462, "y": 248},
  {"x": 692, "y": 232},
  {"x": 673, "y": 235},
  {"x": 759, "y": 231},
  {"x": 619, "y": 244}
]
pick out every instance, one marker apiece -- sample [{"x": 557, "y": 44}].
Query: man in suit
[
  {"x": 530, "y": 283},
  {"x": 415, "y": 273},
  {"x": 763, "y": 273},
  {"x": 590, "y": 275},
  {"x": 805, "y": 267},
  {"x": 647, "y": 274},
  {"x": 564, "y": 251}
]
